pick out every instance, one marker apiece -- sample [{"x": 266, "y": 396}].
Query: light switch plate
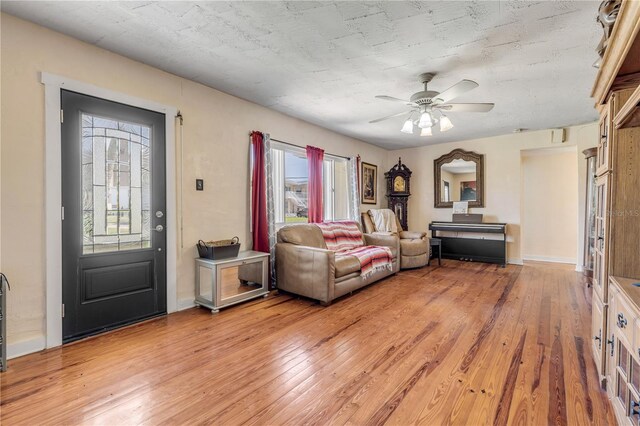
[{"x": 199, "y": 184}]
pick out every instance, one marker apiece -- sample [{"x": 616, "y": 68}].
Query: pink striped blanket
[{"x": 345, "y": 239}]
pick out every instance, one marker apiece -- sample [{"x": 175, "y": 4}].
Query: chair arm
[
  {"x": 412, "y": 235},
  {"x": 307, "y": 271},
  {"x": 385, "y": 240}
]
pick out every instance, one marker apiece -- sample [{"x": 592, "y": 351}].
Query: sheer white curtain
[
  {"x": 277, "y": 168},
  {"x": 271, "y": 213},
  {"x": 354, "y": 195}
]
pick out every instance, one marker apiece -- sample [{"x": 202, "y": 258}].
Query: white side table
[{"x": 225, "y": 282}]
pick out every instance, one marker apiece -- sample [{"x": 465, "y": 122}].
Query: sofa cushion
[
  {"x": 302, "y": 235},
  {"x": 414, "y": 247},
  {"x": 346, "y": 265}
]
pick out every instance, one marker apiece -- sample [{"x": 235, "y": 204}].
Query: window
[
  {"x": 336, "y": 188},
  {"x": 291, "y": 182}
]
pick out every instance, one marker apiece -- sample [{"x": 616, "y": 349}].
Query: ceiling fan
[{"x": 429, "y": 106}]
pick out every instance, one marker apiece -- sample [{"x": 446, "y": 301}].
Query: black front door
[{"x": 113, "y": 196}]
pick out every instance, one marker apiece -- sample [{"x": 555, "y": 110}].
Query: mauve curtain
[
  {"x": 315, "y": 157},
  {"x": 259, "y": 228}
]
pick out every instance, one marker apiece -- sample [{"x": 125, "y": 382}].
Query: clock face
[{"x": 399, "y": 184}]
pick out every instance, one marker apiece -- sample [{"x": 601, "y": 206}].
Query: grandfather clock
[{"x": 398, "y": 191}]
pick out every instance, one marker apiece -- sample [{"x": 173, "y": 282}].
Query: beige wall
[
  {"x": 550, "y": 205},
  {"x": 446, "y": 177},
  {"x": 503, "y": 188},
  {"x": 216, "y": 148}
]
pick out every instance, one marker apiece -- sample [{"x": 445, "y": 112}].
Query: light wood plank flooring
[{"x": 464, "y": 343}]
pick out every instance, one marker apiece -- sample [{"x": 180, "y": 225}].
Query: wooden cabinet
[
  {"x": 617, "y": 229},
  {"x": 616, "y": 301}
]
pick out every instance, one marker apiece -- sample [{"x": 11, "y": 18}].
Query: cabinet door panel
[
  {"x": 597, "y": 333},
  {"x": 609, "y": 345},
  {"x": 603, "y": 161},
  {"x": 600, "y": 272}
]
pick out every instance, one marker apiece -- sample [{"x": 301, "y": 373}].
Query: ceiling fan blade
[
  {"x": 486, "y": 107},
  {"x": 392, "y": 99},
  {"x": 456, "y": 90},
  {"x": 389, "y": 116}
]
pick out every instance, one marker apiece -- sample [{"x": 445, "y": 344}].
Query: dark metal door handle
[
  {"x": 610, "y": 342},
  {"x": 599, "y": 339}
]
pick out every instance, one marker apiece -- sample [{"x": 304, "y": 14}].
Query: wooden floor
[{"x": 464, "y": 343}]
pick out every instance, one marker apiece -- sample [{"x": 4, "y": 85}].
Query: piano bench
[{"x": 435, "y": 242}]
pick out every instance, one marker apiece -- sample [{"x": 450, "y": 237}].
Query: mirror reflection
[
  {"x": 240, "y": 279},
  {"x": 458, "y": 181}
]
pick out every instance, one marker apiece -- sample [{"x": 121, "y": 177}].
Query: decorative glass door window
[{"x": 116, "y": 185}]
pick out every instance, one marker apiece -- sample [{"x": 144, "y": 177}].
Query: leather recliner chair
[{"x": 414, "y": 246}]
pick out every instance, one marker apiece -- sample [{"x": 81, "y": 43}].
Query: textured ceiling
[
  {"x": 459, "y": 166},
  {"x": 324, "y": 62}
]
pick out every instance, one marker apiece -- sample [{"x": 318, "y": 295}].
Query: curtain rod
[{"x": 302, "y": 147}]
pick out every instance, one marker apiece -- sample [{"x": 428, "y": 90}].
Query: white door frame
[{"x": 53, "y": 192}]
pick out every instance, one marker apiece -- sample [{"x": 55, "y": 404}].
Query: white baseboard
[
  {"x": 38, "y": 343},
  {"x": 579, "y": 268},
  {"x": 26, "y": 347},
  {"x": 185, "y": 304},
  {"x": 515, "y": 261},
  {"x": 549, "y": 259}
]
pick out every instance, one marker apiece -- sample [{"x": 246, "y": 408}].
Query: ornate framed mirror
[{"x": 459, "y": 176}]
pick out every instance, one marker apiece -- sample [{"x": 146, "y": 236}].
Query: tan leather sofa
[
  {"x": 304, "y": 266},
  {"x": 414, "y": 246}
]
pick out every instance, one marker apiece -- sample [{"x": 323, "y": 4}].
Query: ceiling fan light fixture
[
  {"x": 408, "y": 126},
  {"x": 445, "y": 124},
  {"x": 426, "y": 107},
  {"x": 425, "y": 120}
]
